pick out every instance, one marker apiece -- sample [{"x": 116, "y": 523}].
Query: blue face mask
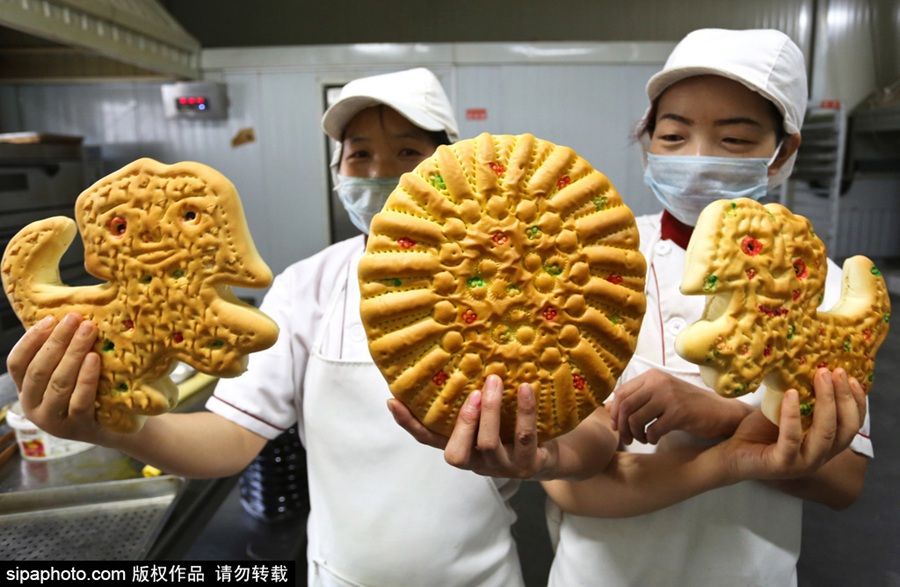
[
  {"x": 364, "y": 197},
  {"x": 685, "y": 185}
]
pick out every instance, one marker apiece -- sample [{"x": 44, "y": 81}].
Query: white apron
[
  {"x": 746, "y": 534},
  {"x": 385, "y": 510}
]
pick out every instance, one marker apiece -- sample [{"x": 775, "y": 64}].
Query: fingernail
[
  {"x": 526, "y": 391},
  {"x": 85, "y": 329},
  {"x": 473, "y": 402},
  {"x": 45, "y": 323},
  {"x": 70, "y": 320}
]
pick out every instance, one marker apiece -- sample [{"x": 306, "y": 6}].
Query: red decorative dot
[
  {"x": 578, "y": 382},
  {"x": 822, "y": 365},
  {"x": 117, "y": 226},
  {"x": 800, "y": 269},
  {"x": 563, "y": 182},
  {"x": 801, "y": 360},
  {"x": 496, "y": 168},
  {"x": 128, "y": 324},
  {"x": 406, "y": 242},
  {"x": 751, "y": 246},
  {"x": 500, "y": 239},
  {"x": 469, "y": 316},
  {"x": 751, "y": 273},
  {"x": 439, "y": 378},
  {"x": 550, "y": 313},
  {"x": 614, "y": 278},
  {"x": 795, "y": 295},
  {"x": 178, "y": 337},
  {"x": 867, "y": 334},
  {"x": 767, "y": 352}
]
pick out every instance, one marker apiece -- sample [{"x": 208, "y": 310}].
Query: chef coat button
[
  {"x": 676, "y": 324},
  {"x": 663, "y": 247},
  {"x": 357, "y": 332}
]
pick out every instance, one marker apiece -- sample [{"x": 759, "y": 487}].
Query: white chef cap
[
  {"x": 765, "y": 60},
  {"x": 415, "y": 93}
]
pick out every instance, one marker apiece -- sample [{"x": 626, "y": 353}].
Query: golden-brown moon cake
[
  {"x": 169, "y": 241},
  {"x": 504, "y": 255},
  {"x": 763, "y": 271}
]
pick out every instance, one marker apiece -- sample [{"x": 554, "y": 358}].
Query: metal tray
[{"x": 113, "y": 520}]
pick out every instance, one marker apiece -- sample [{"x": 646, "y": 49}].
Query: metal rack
[{"x": 814, "y": 189}]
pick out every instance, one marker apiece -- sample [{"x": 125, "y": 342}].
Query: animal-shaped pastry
[
  {"x": 763, "y": 271},
  {"x": 169, "y": 241},
  {"x": 508, "y": 255}
]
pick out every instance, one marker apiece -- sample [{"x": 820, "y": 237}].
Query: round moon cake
[{"x": 504, "y": 255}]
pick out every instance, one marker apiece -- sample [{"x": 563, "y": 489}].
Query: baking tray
[{"x": 113, "y": 520}]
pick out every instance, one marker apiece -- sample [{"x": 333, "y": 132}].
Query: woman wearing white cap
[
  {"x": 384, "y": 510},
  {"x": 711, "y": 493}
]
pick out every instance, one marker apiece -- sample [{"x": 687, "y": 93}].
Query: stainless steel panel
[{"x": 115, "y": 520}]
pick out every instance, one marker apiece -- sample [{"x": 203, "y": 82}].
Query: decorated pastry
[
  {"x": 763, "y": 271},
  {"x": 504, "y": 255},
  {"x": 169, "y": 241}
]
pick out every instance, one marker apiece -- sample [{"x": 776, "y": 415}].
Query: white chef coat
[
  {"x": 743, "y": 534},
  {"x": 385, "y": 510}
]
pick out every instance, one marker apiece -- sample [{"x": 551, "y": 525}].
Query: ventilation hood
[{"x": 93, "y": 40}]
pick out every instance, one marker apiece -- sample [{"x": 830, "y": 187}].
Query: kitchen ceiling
[{"x": 93, "y": 40}]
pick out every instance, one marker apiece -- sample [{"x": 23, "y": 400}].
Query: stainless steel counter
[{"x": 196, "y": 502}]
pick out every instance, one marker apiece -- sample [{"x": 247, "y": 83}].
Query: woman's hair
[{"x": 439, "y": 137}]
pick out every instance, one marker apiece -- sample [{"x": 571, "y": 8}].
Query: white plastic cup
[{"x": 37, "y": 445}]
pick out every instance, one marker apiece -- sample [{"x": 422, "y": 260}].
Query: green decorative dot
[
  {"x": 393, "y": 281},
  {"x": 614, "y": 318},
  {"x": 711, "y": 283},
  {"x": 790, "y": 333},
  {"x": 146, "y": 279},
  {"x": 887, "y": 317},
  {"x": 178, "y": 273},
  {"x": 600, "y": 202},
  {"x": 732, "y": 211},
  {"x": 533, "y": 232},
  {"x": 122, "y": 387},
  {"x": 875, "y": 271},
  {"x": 805, "y": 409},
  {"x": 476, "y": 281},
  {"x": 871, "y": 377},
  {"x": 847, "y": 344},
  {"x": 108, "y": 346},
  {"x": 553, "y": 269},
  {"x": 438, "y": 181},
  {"x": 513, "y": 289},
  {"x": 217, "y": 344}
]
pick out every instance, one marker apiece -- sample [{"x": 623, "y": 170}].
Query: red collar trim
[{"x": 675, "y": 230}]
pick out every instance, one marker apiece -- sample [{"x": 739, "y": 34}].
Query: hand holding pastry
[
  {"x": 57, "y": 374},
  {"x": 760, "y": 450}
]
